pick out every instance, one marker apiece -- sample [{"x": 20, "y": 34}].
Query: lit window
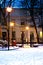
[{"x": 40, "y": 34}]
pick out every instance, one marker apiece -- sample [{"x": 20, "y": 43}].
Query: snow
[{"x": 21, "y": 56}]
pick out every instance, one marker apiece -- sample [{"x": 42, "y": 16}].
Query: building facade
[{"x": 23, "y": 26}]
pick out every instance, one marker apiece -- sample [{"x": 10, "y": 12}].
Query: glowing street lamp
[
  {"x": 27, "y": 28},
  {"x": 11, "y": 24},
  {"x": 8, "y": 9}
]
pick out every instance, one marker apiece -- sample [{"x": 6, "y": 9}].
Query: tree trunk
[{"x": 32, "y": 17}]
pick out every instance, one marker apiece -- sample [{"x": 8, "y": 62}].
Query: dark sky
[{"x": 17, "y": 3}]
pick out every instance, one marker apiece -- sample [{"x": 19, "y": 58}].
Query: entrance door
[
  {"x": 4, "y": 35},
  {"x": 13, "y": 35},
  {"x": 22, "y": 37}
]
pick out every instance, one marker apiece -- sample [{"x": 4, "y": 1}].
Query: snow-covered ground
[{"x": 21, "y": 56}]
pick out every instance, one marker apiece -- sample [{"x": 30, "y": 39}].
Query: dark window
[{"x": 22, "y": 23}]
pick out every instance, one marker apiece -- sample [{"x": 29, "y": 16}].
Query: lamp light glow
[
  {"x": 40, "y": 34},
  {"x": 27, "y": 28},
  {"x": 8, "y": 9},
  {"x": 11, "y": 24}
]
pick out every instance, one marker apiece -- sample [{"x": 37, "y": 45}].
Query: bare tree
[
  {"x": 32, "y": 4},
  {"x": 3, "y": 9}
]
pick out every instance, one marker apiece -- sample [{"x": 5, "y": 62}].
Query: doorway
[{"x": 4, "y": 35}]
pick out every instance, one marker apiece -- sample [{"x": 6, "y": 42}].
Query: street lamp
[
  {"x": 27, "y": 28},
  {"x": 11, "y": 24},
  {"x": 8, "y": 9}
]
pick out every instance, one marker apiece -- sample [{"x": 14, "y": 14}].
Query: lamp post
[{"x": 8, "y": 9}]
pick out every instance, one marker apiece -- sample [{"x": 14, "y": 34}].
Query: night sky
[{"x": 17, "y": 3}]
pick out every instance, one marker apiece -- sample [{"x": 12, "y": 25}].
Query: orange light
[
  {"x": 27, "y": 28},
  {"x": 11, "y": 24},
  {"x": 9, "y": 9}
]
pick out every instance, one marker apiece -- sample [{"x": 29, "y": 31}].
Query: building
[{"x": 23, "y": 25}]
